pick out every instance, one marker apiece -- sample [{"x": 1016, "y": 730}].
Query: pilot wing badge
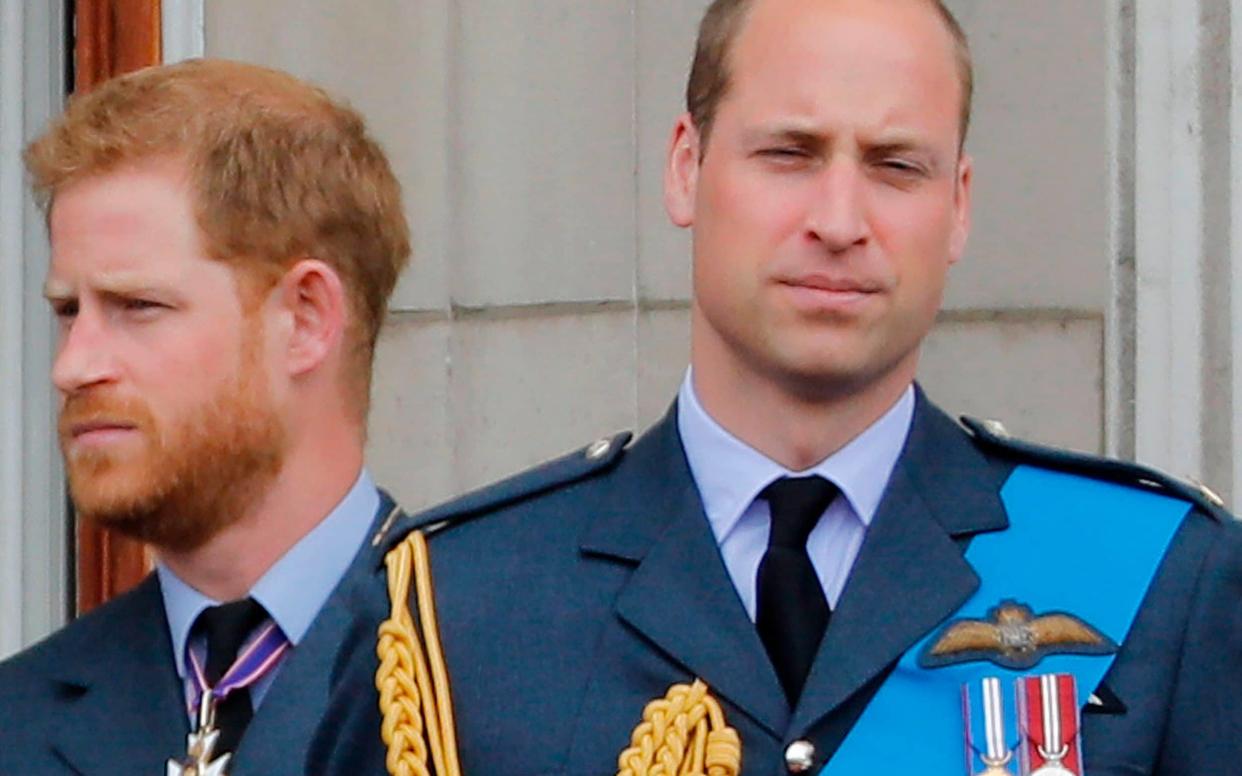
[{"x": 1013, "y": 636}]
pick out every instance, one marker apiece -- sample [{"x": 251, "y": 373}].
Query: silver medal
[
  {"x": 1053, "y": 769},
  {"x": 201, "y": 745},
  {"x": 995, "y": 767}
]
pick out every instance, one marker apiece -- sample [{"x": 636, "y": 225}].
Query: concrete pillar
[
  {"x": 1181, "y": 288},
  {"x": 34, "y": 539}
]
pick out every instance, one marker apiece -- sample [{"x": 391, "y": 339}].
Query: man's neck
[
  {"x": 790, "y": 427},
  {"x": 309, "y": 486}
]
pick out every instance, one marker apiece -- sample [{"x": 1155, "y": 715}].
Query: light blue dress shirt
[
  {"x": 730, "y": 475},
  {"x": 292, "y": 591}
]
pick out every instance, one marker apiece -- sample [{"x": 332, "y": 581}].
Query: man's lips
[
  {"x": 822, "y": 294},
  {"x": 832, "y": 285},
  {"x": 99, "y": 430}
]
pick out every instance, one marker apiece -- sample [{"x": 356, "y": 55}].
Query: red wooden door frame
[{"x": 112, "y": 37}]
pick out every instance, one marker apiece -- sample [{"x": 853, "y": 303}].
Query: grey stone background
[{"x": 547, "y": 303}]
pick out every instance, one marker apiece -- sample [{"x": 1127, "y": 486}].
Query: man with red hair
[{"x": 224, "y": 241}]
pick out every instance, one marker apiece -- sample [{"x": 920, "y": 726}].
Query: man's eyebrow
[
  {"x": 804, "y": 135},
  {"x": 54, "y": 290},
  {"x": 899, "y": 137},
  {"x": 116, "y": 284},
  {"x": 785, "y": 133},
  {"x": 121, "y": 282},
  {"x": 897, "y": 144}
]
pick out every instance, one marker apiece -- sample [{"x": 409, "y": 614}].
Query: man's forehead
[
  {"x": 904, "y": 12},
  {"x": 886, "y": 64},
  {"x": 911, "y": 29}
]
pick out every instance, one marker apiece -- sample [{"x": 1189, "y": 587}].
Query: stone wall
[{"x": 548, "y": 301}]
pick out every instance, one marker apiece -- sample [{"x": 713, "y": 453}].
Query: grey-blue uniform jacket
[
  {"x": 571, "y": 595},
  {"x": 101, "y": 697}
]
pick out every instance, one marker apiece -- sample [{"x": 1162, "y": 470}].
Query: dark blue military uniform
[
  {"x": 102, "y": 696},
  {"x": 572, "y": 595}
]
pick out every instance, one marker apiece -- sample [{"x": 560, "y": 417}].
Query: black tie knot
[
  {"x": 226, "y": 628},
  {"x": 796, "y": 504}
]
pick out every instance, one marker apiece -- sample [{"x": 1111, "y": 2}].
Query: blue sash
[{"x": 1073, "y": 545}]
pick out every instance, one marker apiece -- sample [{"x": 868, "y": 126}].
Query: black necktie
[
  {"x": 226, "y": 627},
  {"x": 792, "y": 612}
]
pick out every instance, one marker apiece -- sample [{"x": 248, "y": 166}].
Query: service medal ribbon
[
  {"x": 251, "y": 665},
  {"x": 263, "y": 653},
  {"x": 1048, "y": 707},
  {"x": 992, "y": 734}
]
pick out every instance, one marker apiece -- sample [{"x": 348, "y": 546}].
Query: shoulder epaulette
[
  {"x": 600, "y": 455},
  {"x": 993, "y": 437}
]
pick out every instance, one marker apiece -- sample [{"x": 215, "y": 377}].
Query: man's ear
[
  {"x": 312, "y": 302},
  {"x": 681, "y": 172},
  {"x": 961, "y": 207}
]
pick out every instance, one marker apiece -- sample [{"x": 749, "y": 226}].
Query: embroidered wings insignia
[{"x": 1013, "y": 637}]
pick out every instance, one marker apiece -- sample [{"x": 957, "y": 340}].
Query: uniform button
[
  {"x": 800, "y": 756},
  {"x": 996, "y": 428},
  {"x": 598, "y": 449}
]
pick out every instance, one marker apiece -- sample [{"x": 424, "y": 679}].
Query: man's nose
[
  {"x": 84, "y": 357},
  {"x": 837, "y": 215}
]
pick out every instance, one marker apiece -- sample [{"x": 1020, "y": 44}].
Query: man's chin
[
  {"x": 139, "y": 511},
  {"x": 158, "y": 527}
]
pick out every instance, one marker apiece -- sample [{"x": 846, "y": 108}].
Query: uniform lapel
[
  {"x": 122, "y": 711},
  {"x": 679, "y": 597},
  {"x": 910, "y": 574}
]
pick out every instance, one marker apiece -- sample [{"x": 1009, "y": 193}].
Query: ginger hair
[{"x": 279, "y": 171}]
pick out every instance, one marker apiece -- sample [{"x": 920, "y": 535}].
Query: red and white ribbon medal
[
  {"x": 1048, "y": 710},
  {"x": 991, "y": 728}
]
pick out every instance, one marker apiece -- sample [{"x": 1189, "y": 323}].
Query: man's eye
[
  {"x": 141, "y": 304},
  {"x": 141, "y": 309},
  {"x": 901, "y": 166},
  {"x": 784, "y": 153},
  {"x": 65, "y": 310}
]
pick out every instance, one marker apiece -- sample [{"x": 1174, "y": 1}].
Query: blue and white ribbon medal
[{"x": 992, "y": 733}]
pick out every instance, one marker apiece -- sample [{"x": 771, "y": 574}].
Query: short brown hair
[
  {"x": 279, "y": 171},
  {"x": 723, "y": 20}
]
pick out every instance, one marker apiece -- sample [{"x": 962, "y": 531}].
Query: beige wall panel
[
  {"x": 1043, "y": 379},
  {"x": 526, "y": 389},
  {"x": 545, "y": 147},
  {"x": 666, "y": 34},
  {"x": 530, "y": 138},
  {"x": 389, "y": 59},
  {"x": 410, "y": 450},
  {"x": 663, "y": 352},
  {"x": 1040, "y": 143}
]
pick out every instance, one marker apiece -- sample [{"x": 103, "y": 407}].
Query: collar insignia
[{"x": 1013, "y": 637}]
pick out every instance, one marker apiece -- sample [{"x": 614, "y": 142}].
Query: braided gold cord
[
  {"x": 682, "y": 734},
  {"x": 445, "y": 728},
  {"x": 414, "y": 699}
]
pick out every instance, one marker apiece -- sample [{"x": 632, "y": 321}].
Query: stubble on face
[{"x": 193, "y": 476}]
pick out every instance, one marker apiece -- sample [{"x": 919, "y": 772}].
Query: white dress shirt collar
[
  {"x": 295, "y": 588},
  {"x": 730, "y": 474}
]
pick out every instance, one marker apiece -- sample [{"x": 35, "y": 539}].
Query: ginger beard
[{"x": 195, "y": 474}]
